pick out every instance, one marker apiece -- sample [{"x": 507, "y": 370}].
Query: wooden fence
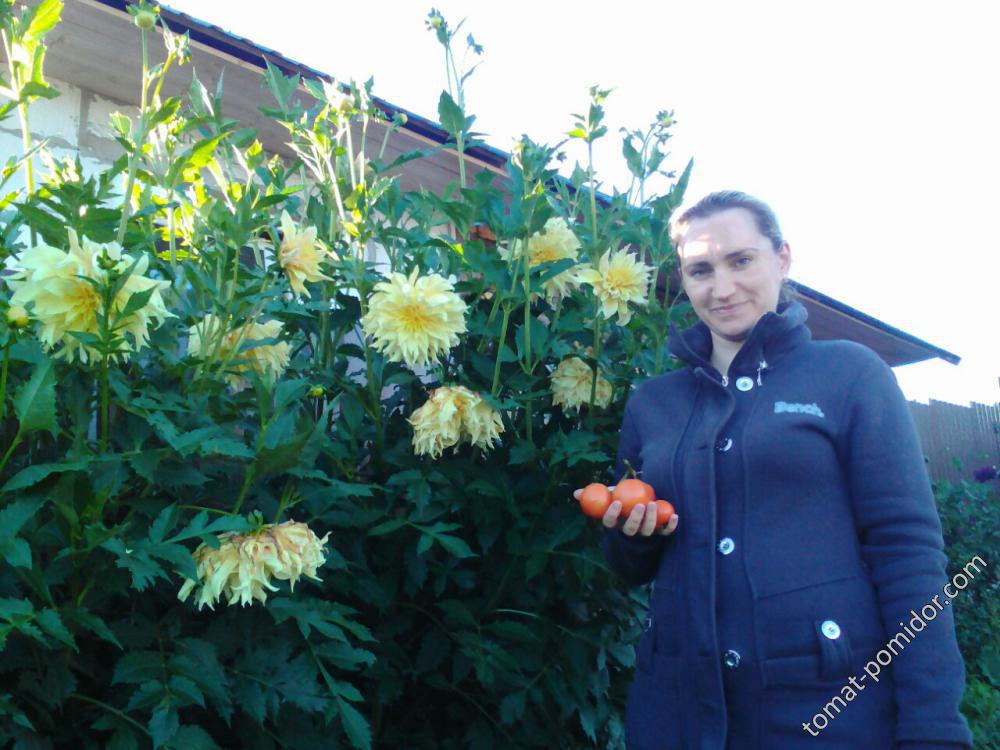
[{"x": 970, "y": 434}]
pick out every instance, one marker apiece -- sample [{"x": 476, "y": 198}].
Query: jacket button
[
  {"x": 647, "y": 623},
  {"x": 830, "y": 629},
  {"x": 726, "y": 545},
  {"x": 744, "y": 383},
  {"x": 724, "y": 444},
  {"x": 731, "y": 659}
]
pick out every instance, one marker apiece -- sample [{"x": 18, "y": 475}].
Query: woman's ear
[{"x": 785, "y": 259}]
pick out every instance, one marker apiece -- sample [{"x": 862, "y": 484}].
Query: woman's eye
[{"x": 744, "y": 260}]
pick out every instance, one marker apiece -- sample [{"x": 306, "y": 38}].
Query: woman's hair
[
  {"x": 713, "y": 203},
  {"x": 723, "y": 200}
]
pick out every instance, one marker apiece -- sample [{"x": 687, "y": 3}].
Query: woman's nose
[{"x": 724, "y": 285}]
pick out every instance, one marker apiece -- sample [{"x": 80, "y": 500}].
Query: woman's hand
[{"x": 642, "y": 520}]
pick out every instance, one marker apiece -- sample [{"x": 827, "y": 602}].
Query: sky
[{"x": 871, "y": 128}]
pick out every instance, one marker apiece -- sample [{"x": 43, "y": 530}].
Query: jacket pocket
[{"x": 832, "y": 660}]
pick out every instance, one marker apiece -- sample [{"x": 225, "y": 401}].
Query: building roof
[{"x": 96, "y": 48}]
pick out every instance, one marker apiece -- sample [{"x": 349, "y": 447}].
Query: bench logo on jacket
[{"x": 782, "y": 406}]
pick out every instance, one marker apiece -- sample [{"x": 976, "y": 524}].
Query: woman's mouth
[{"x": 728, "y": 309}]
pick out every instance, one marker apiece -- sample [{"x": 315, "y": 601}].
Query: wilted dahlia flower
[
  {"x": 571, "y": 385},
  {"x": 451, "y": 414},
  {"x": 555, "y": 241},
  {"x": 414, "y": 320},
  {"x": 244, "y": 564},
  {"x": 54, "y": 284},
  {"x": 300, "y": 255},
  {"x": 268, "y": 360},
  {"x": 618, "y": 279}
]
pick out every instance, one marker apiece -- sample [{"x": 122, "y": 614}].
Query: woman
[{"x": 805, "y": 536}]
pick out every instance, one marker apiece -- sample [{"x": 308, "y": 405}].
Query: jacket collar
[{"x": 771, "y": 337}]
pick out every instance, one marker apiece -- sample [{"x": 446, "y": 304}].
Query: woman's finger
[
  {"x": 671, "y": 525},
  {"x": 577, "y": 493},
  {"x": 649, "y": 520},
  {"x": 634, "y": 521},
  {"x": 610, "y": 518}
]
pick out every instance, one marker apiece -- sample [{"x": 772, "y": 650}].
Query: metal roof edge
[{"x": 840, "y": 307}]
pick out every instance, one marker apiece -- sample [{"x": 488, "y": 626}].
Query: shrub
[{"x": 257, "y": 492}]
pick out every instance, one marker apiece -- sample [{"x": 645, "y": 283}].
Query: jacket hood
[{"x": 771, "y": 336}]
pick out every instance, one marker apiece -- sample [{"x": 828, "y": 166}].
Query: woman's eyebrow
[{"x": 729, "y": 256}]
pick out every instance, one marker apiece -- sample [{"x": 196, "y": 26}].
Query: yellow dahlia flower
[
  {"x": 451, "y": 414},
  {"x": 270, "y": 361},
  {"x": 244, "y": 564},
  {"x": 571, "y": 382},
  {"x": 300, "y": 255},
  {"x": 555, "y": 241},
  {"x": 618, "y": 279},
  {"x": 414, "y": 320},
  {"x": 49, "y": 280}
]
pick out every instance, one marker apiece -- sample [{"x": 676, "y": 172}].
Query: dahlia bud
[
  {"x": 316, "y": 391},
  {"x": 17, "y": 316},
  {"x": 145, "y": 19}
]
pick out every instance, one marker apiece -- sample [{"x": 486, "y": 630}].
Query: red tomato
[
  {"x": 595, "y": 499},
  {"x": 631, "y": 492},
  {"x": 664, "y": 511}
]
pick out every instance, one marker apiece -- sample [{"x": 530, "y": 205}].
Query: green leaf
[
  {"x": 136, "y": 302},
  {"x": 136, "y": 561},
  {"x": 44, "y": 17},
  {"x": 224, "y": 446},
  {"x": 192, "y": 738},
  {"x": 52, "y": 624},
  {"x": 632, "y": 158},
  {"x": 38, "y": 90},
  {"x": 355, "y": 725},
  {"x": 35, "y": 401},
  {"x": 200, "y": 527},
  {"x": 136, "y": 667},
  {"x": 288, "y": 391},
  {"x": 455, "y": 546},
  {"x": 387, "y": 527},
  {"x": 35, "y": 474},
  {"x": 163, "y": 725},
  {"x": 425, "y": 543},
  {"x": 282, "y": 87},
  {"x": 187, "y": 690},
  {"x": 512, "y": 707},
  {"x": 94, "y": 624},
  {"x": 123, "y": 739},
  {"x": 164, "y": 113},
  {"x": 451, "y": 115}
]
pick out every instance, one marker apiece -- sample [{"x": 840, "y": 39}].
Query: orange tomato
[
  {"x": 631, "y": 492},
  {"x": 595, "y": 499},
  {"x": 664, "y": 510}
]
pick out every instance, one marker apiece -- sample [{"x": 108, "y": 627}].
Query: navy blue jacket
[{"x": 808, "y": 539}]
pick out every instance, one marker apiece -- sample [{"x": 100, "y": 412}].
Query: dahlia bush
[{"x": 259, "y": 491}]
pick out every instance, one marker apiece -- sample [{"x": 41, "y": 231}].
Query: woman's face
[{"x": 730, "y": 271}]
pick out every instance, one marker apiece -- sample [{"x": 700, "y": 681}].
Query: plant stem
[
  {"x": 112, "y": 710},
  {"x": 247, "y": 481},
  {"x": 500, "y": 345},
  {"x": 104, "y": 404},
  {"x": 593, "y": 201},
  {"x": 597, "y": 358},
  {"x": 13, "y": 444},
  {"x": 3, "y": 381},
  {"x": 133, "y": 162}
]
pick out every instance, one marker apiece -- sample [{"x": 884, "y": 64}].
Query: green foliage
[
  {"x": 970, "y": 516},
  {"x": 470, "y": 583}
]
